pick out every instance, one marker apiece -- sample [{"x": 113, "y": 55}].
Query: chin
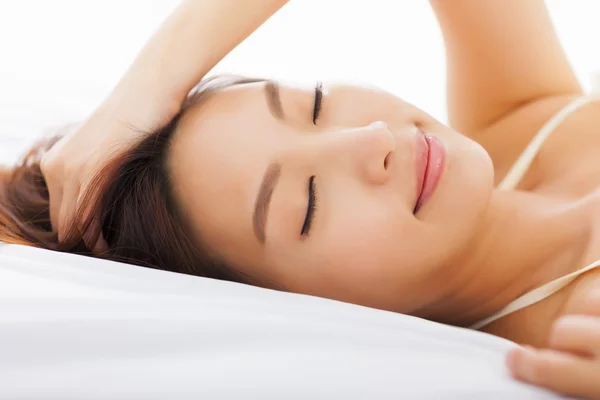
[{"x": 464, "y": 193}]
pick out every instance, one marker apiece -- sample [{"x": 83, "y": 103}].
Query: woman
[{"x": 348, "y": 192}]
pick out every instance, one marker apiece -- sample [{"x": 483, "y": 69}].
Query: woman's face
[{"x": 327, "y": 207}]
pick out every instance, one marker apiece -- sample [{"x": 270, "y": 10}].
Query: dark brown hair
[{"x": 133, "y": 197}]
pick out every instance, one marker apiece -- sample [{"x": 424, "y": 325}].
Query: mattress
[{"x": 73, "y": 327}]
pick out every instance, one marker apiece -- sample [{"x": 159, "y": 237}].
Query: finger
[
  {"x": 101, "y": 245},
  {"x": 578, "y": 334},
  {"x": 93, "y": 238},
  {"x": 67, "y": 211},
  {"x": 89, "y": 190},
  {"x": 55, "y": 192},
  {"x": 55, "y": 201},
  {"x": 557, "y": 371}
]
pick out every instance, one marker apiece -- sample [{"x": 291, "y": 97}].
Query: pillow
[{"x": 82, "y": 328}]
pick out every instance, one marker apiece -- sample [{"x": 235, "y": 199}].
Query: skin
[
  {"x": 148, "y": 95},
  {"x": 448, "y": 262},
  {"x": 365, "y": 244}
]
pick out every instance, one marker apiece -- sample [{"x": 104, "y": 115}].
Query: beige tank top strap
[
  {"x": 509, "y": 182},
  {"x": 535, "y": 295},
  {"x": 520, "y": 167}
]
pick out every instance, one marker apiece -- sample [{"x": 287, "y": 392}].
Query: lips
[{"x": 430, "y": 161}]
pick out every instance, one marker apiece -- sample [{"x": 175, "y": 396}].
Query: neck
[{"x": 525, "y": 240}]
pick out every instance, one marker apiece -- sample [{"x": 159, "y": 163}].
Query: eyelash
[
  {"x": 312, "y": 207},
  {"x": 318, "y": 100},
  {"x": 312, "y": 193}
]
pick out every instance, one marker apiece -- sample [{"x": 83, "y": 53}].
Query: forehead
[{"x": 219, "y": 154}]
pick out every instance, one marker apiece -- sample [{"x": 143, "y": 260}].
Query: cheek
[{"x": 372, "y": 244}]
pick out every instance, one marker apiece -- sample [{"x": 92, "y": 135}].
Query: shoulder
[
  {"x": 569, "y": 153},
  {"x": 584, "y": 297}
]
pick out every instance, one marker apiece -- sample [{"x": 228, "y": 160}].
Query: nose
[{"x": 367, "y": 149}]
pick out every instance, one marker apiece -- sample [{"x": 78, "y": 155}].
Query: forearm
[
  {"x": 190, "y": 42},
  {"x": 500, "y": 54}
]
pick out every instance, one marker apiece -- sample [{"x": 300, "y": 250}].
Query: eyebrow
[
  {"x": 263, "y": 199},
  {"x": 273, "y": 99}
]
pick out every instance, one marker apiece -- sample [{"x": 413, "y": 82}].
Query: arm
[
  {"x": 501, "y": 54},
  {"x": 190, "y": 42},
  {"x": 186, "y": 46},
  {"x": 194, "y": 38}
]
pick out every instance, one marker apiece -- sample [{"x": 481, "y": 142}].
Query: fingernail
[{"x": 517, "y": 362}]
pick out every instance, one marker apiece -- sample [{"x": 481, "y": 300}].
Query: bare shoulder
[
  {"x": 585, "y": 295},
  {"x": 567, "y": 162}
]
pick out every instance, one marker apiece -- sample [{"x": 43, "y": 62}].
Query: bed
[{"x": 73, "y": 327}]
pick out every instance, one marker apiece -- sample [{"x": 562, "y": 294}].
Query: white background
[{"x": 58, "y": 58}]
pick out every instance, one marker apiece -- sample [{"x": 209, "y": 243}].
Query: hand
[
  {"x": 74, "y": 161},
  {"x": 187, "y": 45},
  {"x": 571, "y": 364}
]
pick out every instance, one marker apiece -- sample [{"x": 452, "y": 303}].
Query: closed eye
[
  {"x": 311, "y": 207},
  {"x": 318, "y": 100}
]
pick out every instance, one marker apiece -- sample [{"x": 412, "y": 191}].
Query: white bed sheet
[{"x": 73, "y": 327}]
